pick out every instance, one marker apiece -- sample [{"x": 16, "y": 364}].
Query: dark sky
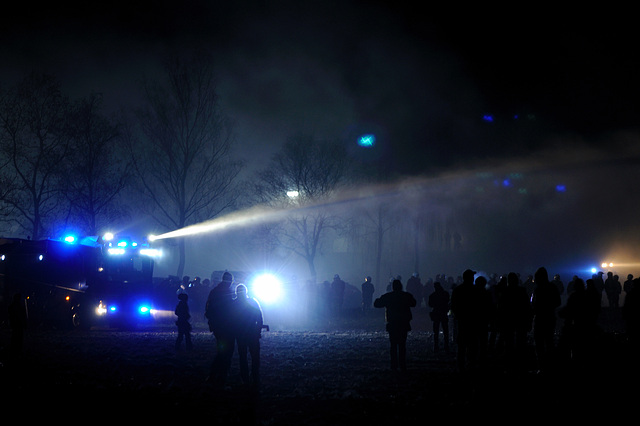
[
  {"x": 420, "y": 78},
  {"x": 561, "y": 89}
]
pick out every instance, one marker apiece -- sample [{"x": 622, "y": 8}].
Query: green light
[{"x": 367, "y": 141}]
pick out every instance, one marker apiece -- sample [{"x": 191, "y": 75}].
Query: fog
[{"x": 567, "y": 208}]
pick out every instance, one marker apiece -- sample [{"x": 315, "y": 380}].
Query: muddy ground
[{"x": 332, "y": 373}]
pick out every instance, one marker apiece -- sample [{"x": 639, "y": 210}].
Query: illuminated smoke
[{"x": 564, "y": 202}]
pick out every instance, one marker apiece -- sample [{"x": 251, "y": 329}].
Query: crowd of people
[
  {"x": 499, "y": 314},
  {"x": 496, "y": 314}
]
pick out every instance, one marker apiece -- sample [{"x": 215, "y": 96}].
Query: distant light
[
  {"x": 101, "y": 309},
  {"x": 506, "y": 182},
  {"x": 488, "y": 118},
  {"x": 107, "y": 236},
  {"x": 40, "y": 257},
  {"x": 151, "y": 237},
  {"x": 122, "y": 243},
  {"x": 561, "y": 188},
  {"x": 116, "y": 251},
  {"x": 367, "y": 141},
  {"x": 594, "y": 270},
  {"x": 292, "y": 194}
]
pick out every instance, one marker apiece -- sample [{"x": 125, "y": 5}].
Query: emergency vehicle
[{"x": 79, "y": 282}]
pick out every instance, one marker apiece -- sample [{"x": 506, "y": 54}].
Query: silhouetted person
[
  {"x": 631, "y": 316},
  {"x": 612, "y": 289},
  {"x": 514, "y": 321},
  {"x": 428, "y": 288},
  {"x": 496, "y": 288},
  {"x": 367, "y": 293},
  {"x": 571, "y": 284},
  {"x": 598, "y": 283},
  {"x": 414, "y": 286},
  {"x": 466, "y": 306},
  {"x": 439, "y": 303},
  {"x": 183, "y": 322},
  {"x": 248, "y": 325},
  {"x": 486, "y": 316},
  {"x": 628, "y": 285},
  {"x": 545, "y": 301},
  {"x": 580, "y": 321},
  {"x": 337, "y": 293},
  {"x": 397, "y": 304},
  {"x": 18, "y": 318},
  {"x": 219, "y": 312},
  {"x": 558, "y": 283}
]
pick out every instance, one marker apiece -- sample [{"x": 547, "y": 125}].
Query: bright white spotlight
[{"x": 267, "y": 288}]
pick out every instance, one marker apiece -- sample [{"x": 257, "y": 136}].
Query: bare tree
[
  {"x": 98, "y": 168},
  {"x": 34, "y": 141},
  {"x": 182, "y": 159},
  {"x": 303, "y": 177}
]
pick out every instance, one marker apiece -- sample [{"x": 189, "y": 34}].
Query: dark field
[{"x": 333, "y": 374}]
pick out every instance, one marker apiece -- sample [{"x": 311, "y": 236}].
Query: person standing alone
[
  {"x": 397, "y": 304},
  {"x": 184, "y": 326}
]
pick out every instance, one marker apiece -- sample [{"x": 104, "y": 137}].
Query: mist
[{"x": 568, "y": 208}]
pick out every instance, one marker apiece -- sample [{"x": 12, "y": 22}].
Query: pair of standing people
[{"x": 234, "y": 320}]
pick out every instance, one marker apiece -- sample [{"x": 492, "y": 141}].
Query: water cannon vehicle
[{"x": 79, "y": 282}]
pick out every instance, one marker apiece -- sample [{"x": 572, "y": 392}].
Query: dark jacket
[
  {"x": 439, "y": 302},
  {"x": 248, "y": 319},
  {"x": 219, "y": 308},
  {"x": 398, "y": 306}
]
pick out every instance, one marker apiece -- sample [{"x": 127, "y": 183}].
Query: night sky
[
  {"x": 421, "y": 79},
  {"x": 440, "y": 87}
]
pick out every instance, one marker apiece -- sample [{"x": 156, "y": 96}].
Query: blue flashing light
[
  {"x": 113, "y": 308},
  {"x": 367, "y": 141},
  {"x": 488, "y": 118},
  {"x": 144, "y": 309},
  {"x": 70, "y": 239},
  {"x": 561, "y": 188},
  {"x": 122, "y": 243}
]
